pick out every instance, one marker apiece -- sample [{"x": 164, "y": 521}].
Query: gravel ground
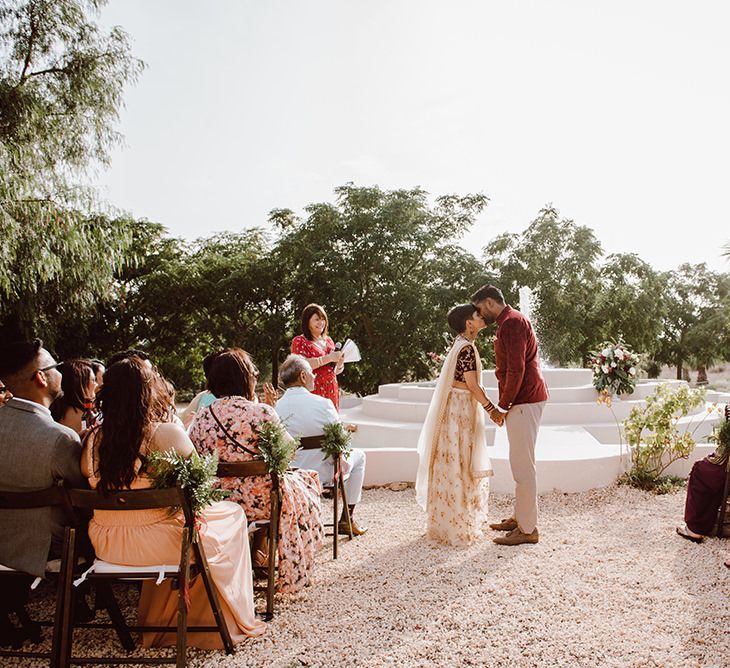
[{"x": 609, "y": 584}]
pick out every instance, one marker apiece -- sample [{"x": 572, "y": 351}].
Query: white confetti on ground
[{"x": 609, "y": 584}]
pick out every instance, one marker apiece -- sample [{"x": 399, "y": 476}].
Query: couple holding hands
[{"x": 452, "y": 482}]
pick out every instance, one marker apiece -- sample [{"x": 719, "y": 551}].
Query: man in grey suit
[{"x": 35, "y": 452}]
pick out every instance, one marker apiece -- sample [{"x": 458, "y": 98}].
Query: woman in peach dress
[
  {"x": 113, "y": 458},
  {"x": 229, "y": 427}
]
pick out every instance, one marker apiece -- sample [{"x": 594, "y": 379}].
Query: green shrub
[{"x": 653, "y": 435}]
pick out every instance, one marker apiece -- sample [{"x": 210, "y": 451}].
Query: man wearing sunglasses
[{"x": 36, "y": 453}]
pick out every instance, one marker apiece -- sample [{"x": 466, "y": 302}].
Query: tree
[
  {"x": 61, "y": 82},
  {"x": 558, "y": 260},
  {"x": 629, "y": 303},
  {"x": 696, "y": 310},
  {"x": 386, "y": 266}
]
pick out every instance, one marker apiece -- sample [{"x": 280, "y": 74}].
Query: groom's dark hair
[
  {"x": 488, "y": 292},
  {"x": 458, "y": 316}
]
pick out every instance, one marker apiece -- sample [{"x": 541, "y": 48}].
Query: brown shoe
[
  {"x": 505, "y": 525},
  {"x": 357, "y": 530},
  {"x": 517, "y": 537}
]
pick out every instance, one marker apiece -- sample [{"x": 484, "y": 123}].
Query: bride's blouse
[{"x": 465, "y": 361}]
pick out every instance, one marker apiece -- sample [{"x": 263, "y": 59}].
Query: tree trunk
[
  {"x": 701, "y": 374},
  {"x": 275, "y": 366},
  {"x": 680, "y": 364}
]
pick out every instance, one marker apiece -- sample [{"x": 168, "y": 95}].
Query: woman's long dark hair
[
  {"x": 127, "y": 400},
  {"x": 77, "y": 378}
]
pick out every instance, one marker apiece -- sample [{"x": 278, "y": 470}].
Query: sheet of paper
[{"x": 352, "y": 353}]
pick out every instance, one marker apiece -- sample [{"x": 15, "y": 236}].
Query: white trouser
[{"x": 313, "y": 461}]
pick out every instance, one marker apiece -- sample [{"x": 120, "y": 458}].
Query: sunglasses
[{"x": 46, "y": 368}]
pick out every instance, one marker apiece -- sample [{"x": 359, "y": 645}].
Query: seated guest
[
  {"x": 74, "y": 407},
  {"x": 5, "y": 394},
  {"x": 126, "y": 354},
  {"x": 113, "y": 459},
  {"x": 36, "y": 453},
  {"x": 229, "y": 426},
  {"x": 202, "y": 399},
  {"x": 97, "y": 366},
  {"x": 705, "y": 488},
  {"x": 305, "y": 414}
]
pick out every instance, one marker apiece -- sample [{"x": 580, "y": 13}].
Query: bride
[{"x": 452, "y": 485}]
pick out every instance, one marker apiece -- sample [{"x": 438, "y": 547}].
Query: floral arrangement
[
  {"x": 614, "y": 369},
  {"x": 194, "y": 474},
  {"x": 277, "y": 448},
  {"x": 336, "y": 441}
]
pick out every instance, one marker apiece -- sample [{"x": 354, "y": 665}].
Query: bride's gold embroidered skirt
[{"x": 457, "y": 502}]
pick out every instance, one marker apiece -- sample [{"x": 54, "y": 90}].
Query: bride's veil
[{"x": 480, "y": 464}]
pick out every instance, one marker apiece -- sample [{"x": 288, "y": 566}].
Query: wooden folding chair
[
  {"x": 723, "y": 530},
  {"x": 103, "y": 573},
  {"x": 257, "y": 467},
  {"x": 50, "y": 497},
  {"x": 337, "y": 488}
]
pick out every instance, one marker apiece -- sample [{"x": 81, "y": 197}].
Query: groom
[{"x": 522, "y": 397}]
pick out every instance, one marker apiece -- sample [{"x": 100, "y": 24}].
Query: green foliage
[
  {"x": 61, "y": 84},
  {"x": 721, "y": 436},
  {"x": 195, "y": 474},
  {"x": 695, "y": 327},
  {"x": 336, "y": 441},
  {"x": 386, "y": 265},
  {"x": 652, "y": 431},
  {"x": 628, "y": 303},
  {"x": 558, "y": 259},
  {"x": 650, "y": 483},
  {"x": 277, "y": 448}
]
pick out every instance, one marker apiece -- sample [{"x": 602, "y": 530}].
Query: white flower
[
  {"x": 613, "y": 364},
  {"x": 606, "y": 352},
  {"x": 619, "y": 354},
  {"x": 604, "y": 368},
  {"x": 632, "y": 371}
]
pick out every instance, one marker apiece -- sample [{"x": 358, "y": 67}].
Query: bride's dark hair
[{"x": 458, "y": 316}]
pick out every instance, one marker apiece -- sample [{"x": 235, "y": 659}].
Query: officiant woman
[{"x": 315, "y": 344}]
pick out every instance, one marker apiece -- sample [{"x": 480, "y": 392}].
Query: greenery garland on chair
[
  {"x": 195, "y": 475},
  {"x": 336, "y": 441},
  {"x": 277, "y": 448}
]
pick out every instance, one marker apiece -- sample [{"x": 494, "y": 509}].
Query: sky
[{"x": 616, "y": 113}]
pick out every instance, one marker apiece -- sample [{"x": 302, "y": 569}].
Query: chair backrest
[
  {"x": 40, "y": 498},
  {"x": 242, "y": 469},
  {"x": 311, "y": 442},
  {"x": 131, "y": 499}
]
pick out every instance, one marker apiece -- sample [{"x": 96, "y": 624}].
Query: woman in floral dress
[
  {"x": 229, "y": 427},
  {"x": 319, "y": 349}
]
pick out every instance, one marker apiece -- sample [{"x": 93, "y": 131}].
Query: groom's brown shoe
[
  {"x": 505, "y": 525},
  {"x": 517, "y": 537}
]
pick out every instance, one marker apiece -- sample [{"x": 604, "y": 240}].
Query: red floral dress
[
  {"x": 325, "y": 379},
  {"x": 300, "y": 525}
]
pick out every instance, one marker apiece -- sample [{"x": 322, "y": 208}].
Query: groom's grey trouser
[{"x": 522, "y": 423}]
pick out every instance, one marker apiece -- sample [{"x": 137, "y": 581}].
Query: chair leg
[
  {"x": 345, "y": 507},
  {"x": 109, "y": 601},
  {"x": 64, "y": 639},
  {"x": 273, "y": 550},
  {"x": 182, "y": 601},
  {"x": 335, "y": 498},
  {"x": 723, "y": 505},
  {"x": 215, "y": 605}
]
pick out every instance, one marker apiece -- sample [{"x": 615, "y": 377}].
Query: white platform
[{"x": 578, "y": 444}]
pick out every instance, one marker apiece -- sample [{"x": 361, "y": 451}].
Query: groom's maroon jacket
[{"x": 518, "y": 364}]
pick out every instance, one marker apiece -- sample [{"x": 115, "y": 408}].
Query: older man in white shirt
[{"x": 305, "y": 414}]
